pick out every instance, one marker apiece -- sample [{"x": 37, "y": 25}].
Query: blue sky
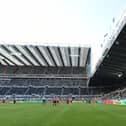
[{"x": 58, "y": 21}]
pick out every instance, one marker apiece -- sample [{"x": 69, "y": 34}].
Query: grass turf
[{"x": 76, "y": 114}]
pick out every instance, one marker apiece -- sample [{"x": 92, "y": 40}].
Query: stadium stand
[
  {"x": 119, "y": 94},
  {"x": 111, "y": 68},
  {"x": 27, "y": 70},
  {"x": 43, "y": 82},
  {"x": 55, "y": 90}
]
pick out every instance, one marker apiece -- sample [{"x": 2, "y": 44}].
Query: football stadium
[{"x": 46, "y": 84}]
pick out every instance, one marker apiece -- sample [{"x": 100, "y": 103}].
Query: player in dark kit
[
  {"x": 43, "y": 100},
  {"x": 57, "y": 100},
  {"x": 54, "y": 101},
  {"x": 3, "y": 100},
  {"x": 67, "y": 100},
  {"x": 14, "y": 101}
]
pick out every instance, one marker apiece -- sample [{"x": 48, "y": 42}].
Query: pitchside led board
[{"x": 114, "y": 102}]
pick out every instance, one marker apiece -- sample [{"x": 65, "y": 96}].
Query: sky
[{"x": 72, "y": 22}]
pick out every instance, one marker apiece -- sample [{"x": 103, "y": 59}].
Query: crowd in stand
[
  {"x": 48, "y": 90},
  {"x": 119, "y": 94}
]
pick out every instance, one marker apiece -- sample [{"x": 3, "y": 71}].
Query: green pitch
[{"x": 76, "y": 114}]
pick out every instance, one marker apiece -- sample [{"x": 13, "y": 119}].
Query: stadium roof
[
  {"x": 38, "y": 55},
  {"x": 112, "y": 66}
]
